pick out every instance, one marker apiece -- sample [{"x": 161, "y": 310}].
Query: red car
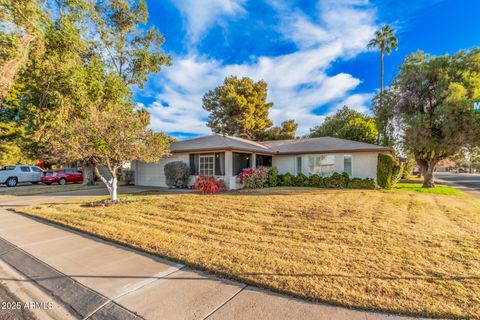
[{"x": 62, "y": 176}]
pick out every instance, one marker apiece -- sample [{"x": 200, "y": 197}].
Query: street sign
[{"x": 476, "y": 106}]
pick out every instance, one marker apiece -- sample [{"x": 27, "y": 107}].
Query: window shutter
[{"x": 193, "y": 164}]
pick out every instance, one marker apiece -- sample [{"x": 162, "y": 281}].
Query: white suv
[{"x": 11, "y": 175}]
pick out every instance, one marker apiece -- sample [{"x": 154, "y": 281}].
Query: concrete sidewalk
[{"x": 100, "y": 280}]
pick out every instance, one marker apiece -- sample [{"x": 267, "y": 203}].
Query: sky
[{"x": 311, "y": 53}]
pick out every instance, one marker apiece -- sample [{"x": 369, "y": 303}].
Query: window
[
  {"x": 347, "y": 164},
  {"x": 240, "y": 161},
  {"x": 25, "y": 169},
  {"x": 8, "y": 168},
  {"x": 299, "y": 165},
  {"x": 36, "y": 169},
  {"x": 323, "y": 165},
  {"x": 207, "y": 165}
]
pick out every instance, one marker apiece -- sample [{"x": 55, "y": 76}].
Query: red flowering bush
[
  {"x": 208, "y": 185},
  {"x": 245, "y": 173},
  {"x": 255, "y": 178}
]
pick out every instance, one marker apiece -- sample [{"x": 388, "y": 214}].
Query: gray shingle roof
[
  {"x": 320, "y": 145},
  {"x": 297, "y": 146},
  {"x": 218, "y": 142}
]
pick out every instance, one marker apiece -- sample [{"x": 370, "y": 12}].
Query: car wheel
[
  {"x": 11, "y": 182},
  {"x": 34, "y": 182},
  {"x": 62, "y": 181}
]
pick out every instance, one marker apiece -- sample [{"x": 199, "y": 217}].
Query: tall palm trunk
[{"x": 381, "y": 75}]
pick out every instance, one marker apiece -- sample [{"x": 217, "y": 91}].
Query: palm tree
[{"x": 384, "y": 40}]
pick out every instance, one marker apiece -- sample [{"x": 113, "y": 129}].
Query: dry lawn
[
  {"x": 402, "y": 252},
  {"x": 28, "y": 190}
]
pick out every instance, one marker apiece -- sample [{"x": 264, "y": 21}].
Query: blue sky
[{"x": 312, "y": 53}]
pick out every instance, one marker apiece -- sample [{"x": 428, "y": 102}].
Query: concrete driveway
[
  {"x": 464, "y": 181},
  {"x": 97, "y": 279}
]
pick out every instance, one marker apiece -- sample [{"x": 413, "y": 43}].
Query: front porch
[{"x": 226, "y": 165}]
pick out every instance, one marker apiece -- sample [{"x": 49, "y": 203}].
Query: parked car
[
  {"x": 62, "y": 176},
  {"x": 11, "y": 175}
]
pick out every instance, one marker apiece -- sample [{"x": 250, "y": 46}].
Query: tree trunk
[
  {"x": 88, "y": 174},
  {"x": 111, "y": 183},
  {"x": 428, "y": 178},
  {"x": 381, "y": 77}
]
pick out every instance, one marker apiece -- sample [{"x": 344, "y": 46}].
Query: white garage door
[{"x": 152, "y": 174}]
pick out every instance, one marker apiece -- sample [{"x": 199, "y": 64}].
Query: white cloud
[
  {"x": 298, "y": 82},
  {"x": 202, "y": 14}
]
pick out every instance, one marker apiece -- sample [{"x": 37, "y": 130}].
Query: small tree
[{"x": 111, "y": 136}]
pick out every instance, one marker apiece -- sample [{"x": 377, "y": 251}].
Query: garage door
[{"x": 152, "y": 174}]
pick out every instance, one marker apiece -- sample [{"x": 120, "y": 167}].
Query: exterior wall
[
  {"x": 152, "y": 174},
  {"x": 284, "y": 164},
  {"x": 364, "y": 164}
]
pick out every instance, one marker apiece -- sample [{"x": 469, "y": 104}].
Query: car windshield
[{"x": 8, "y": 168}]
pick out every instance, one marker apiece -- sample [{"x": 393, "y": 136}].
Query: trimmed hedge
[
  {"x": 389, "y": 171},
  {"x": 335, "y": 181},
  {"x": 357, "y": 183}
]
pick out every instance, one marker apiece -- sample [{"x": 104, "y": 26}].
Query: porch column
[
  {"x": 230, "y": 180},
  {"x": 253, "y": 164}
]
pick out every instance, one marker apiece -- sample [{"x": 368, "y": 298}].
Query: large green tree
[
  {"x": 132, "y": 50},
  {"x": 239, "y": 107},
  {"x": 430, "y": 107},
  {"x": 385, "y": 40},
  {"x": 347, "y": 124},
  {"x": 287, "y": 130},
  {"x": 21, "y": 28},
  {"x": 79, "y": 106}
]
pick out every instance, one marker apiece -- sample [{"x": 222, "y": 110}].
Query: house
[{"x": 226, "y": 156}]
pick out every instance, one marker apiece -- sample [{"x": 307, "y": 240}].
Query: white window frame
[
  {"x": 205, "y": 171},
  {"x": 319, "y": 171},
  {"x": 351, "y": 164}
]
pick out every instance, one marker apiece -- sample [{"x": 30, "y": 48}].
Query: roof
[
  {"x": 218, "y": 142},
  {"x": 297, "y": 146},
  {"x": 320, "y": 145}
]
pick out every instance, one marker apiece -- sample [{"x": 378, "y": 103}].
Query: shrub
[
  {"x": 257, "y": 179},
  {"x": 300, "y": 180},
  {"x": 407, "y": 169},
  {"x": 316, "y": 181},
  {"x": 389, "y": 171},
  {"x": 245, "y": 173},
  {"x": 286, "y": 179},
  {"x": 208, "y": 185},
  {"x": 357, "y": 183},
  {"x": 272, "y": 177},
  {"x": 177, "y": 174},
  {"x": 336, "y": 180}
]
